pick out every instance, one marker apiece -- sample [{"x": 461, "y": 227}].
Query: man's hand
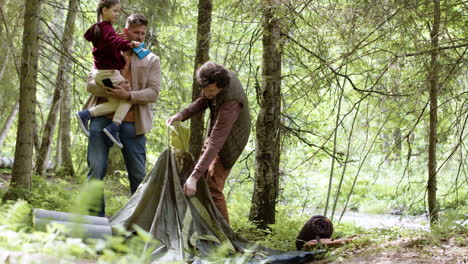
[
  {"x": 173, "y": 119},
  {"x": 125, "y": 84},
  {"x": 118, "y": 92},
  {"x": 190, "y": 186}
]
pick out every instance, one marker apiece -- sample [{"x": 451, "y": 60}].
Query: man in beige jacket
[{"x": 144, "y": 77}]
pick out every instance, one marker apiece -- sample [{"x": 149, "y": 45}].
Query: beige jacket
[{"x": 146, "y": 85}]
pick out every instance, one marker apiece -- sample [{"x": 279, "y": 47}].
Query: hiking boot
[
  {"x": 112, "y": 131},
  {"x": 83, "y": 120}
]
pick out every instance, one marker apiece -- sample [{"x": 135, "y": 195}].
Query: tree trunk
[
  {"x": 48, "y": 133},
  {"x": 4, "y": 65},
  {"x": 332, "y": 169},
  {"x": 20, "y": 185},
  {"x": 10, "y": 46},
  {"x": 2, "y": 3},
  {"x": 433, "y": 92},
  {"x": 37, "y": 140},
  {"x": 398, "y": 142},
  {"x": 58, "y": 150},
  {"x": 61, "y": 83},
  {"x": 205, "y": 8},
  {"x": 64, "y": 162},
  {"x": 9, "y": 123},
  {"x": 396, "y": 83},
  {"x": 268, "y": 124}
]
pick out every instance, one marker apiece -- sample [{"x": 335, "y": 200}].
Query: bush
[{"x": 52, "y": 194}]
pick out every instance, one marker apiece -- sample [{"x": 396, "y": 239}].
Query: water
[{"x": 383, "y": 220}]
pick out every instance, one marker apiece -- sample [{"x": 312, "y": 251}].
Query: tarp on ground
[{"x": 188, "y": 228}]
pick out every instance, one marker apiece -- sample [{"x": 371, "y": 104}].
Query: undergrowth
[
  {"x": 69, "y": 195},
  {"x": 17, "y": 235}
]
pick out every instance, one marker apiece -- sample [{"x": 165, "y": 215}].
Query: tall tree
[
  {"x": 58, "y": 152},
  {"x": 61, "y": 82},
  {"x": 66, "y": 163},
  {"x": 48, "y": 133},
  {"x": 4, "y": 64},
  {"x": 335, "y": 135},
  {"x": 433, "y": 94},
  {"x": 22, "y": 167},
  {"x": 2, "y": 3},
  {"x": 11, "y": 53},
  {"x": 205, "y": 8},
  {"x": 14, "y": 110},
  {"x": 267, "y": 155}
]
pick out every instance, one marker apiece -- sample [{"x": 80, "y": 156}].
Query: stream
[{"x": 383, "y": 220}]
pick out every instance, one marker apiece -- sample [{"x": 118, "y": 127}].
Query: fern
[{"x": 15, "y": 216}]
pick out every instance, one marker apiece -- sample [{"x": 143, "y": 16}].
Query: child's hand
[
  {"x": 135, "y": 44},
  {"x": 122, "y": 35}
]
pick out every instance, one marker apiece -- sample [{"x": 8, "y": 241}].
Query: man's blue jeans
[{"x": 134, "y": 153}]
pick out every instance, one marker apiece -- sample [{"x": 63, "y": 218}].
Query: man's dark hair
[
  {"x": 211, "y": 72},
  {"x": 136, "y": 19}
]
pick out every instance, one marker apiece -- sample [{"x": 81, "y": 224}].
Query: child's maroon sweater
[{"x": 107, "y": 48}]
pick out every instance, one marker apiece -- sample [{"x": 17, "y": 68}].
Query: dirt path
[{"x": 405, "y": 251}]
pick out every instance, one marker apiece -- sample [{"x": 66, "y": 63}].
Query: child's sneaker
[
  {"x": 112, "y": 131},
  {"x": 83, "y": 120}
]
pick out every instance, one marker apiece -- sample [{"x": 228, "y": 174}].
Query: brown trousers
[{"x": 216, "y": 178}]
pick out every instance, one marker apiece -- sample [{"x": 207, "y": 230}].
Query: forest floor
[
  {"x": 4, "y": 180},
  {"x": 403, "y": 251}
]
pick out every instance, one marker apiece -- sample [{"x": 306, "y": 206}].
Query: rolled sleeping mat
[
  {"x": 67, "y": 217},
  {"x": 7, "y": 163},
  {"x": 77, "y": 229}
]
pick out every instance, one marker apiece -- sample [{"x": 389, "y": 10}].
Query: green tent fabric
[{"x": 186, "y": 227}]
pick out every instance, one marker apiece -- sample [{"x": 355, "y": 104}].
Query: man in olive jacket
[
  {"x": 144, "y": 77},
  {"x": 228, "y": 131}
]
